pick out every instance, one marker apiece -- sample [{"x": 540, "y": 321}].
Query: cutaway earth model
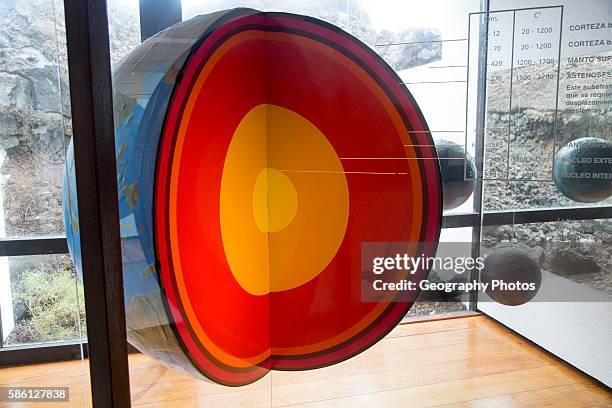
[{"x": 256, "y": 152}]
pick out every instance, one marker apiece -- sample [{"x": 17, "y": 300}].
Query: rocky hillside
[{"x": 35, "y": 108}]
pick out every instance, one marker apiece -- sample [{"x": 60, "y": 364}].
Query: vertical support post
[
  {"x": 510, "y": 98},
  {"x": 556, "y": 117},
  {"x": 481, "y": 113},
  {"x": 157, "y": 15},
  {"x": 96, "y": 179}
]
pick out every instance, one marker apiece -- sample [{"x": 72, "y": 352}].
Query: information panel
[{"x": 548, "y": 87}]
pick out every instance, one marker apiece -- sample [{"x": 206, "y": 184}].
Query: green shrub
[{"x": 50, "y": 299}]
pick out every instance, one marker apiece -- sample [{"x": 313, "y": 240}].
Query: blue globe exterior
[{"x": 71, "y": 212}]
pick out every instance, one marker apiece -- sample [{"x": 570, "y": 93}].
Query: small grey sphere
[
  {"x": 583, "y": 170},
  {"x": 458, "y": 173},
  {"x": 519, "y": 271}
]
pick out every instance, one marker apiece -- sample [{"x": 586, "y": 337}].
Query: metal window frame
[
  {"x": 37, "y": 353},
  {"x": 481, "y": 107},
  {"x": 91, "y": 97}
]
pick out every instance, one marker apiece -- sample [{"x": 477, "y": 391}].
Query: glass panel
[
  {"x": 32, "y": 113},
  {"x": 548, "y": 140},
  {"x": 548, "y": 144},
  {"x": 124, "y": 27},
  {"x": 41, "y": 297},
  {"x": 47, "y": 300},
  {"x": 35, "y": 111},
  {"x": 454, "y": 242},
  {"x": 36, "y": 118},
  {"x": 44, "y": 307}
]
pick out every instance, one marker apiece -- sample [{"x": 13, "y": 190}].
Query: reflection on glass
[{"x": 576, "y": 250}]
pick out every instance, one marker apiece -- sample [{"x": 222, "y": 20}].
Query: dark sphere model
[
  {"x": 583, "y": 170},
  {"x": 458, "y": 172},
  {"x": 511, "y": 265}
]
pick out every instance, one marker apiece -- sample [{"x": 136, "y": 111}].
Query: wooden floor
[{"x": 465, "y": 362}]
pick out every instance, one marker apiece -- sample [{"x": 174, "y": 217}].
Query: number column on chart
[
  {"x": 534, "y": 92},
  {"x": 498, "y": 91}
]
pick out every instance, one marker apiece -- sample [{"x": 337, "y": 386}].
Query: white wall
[{"x": 578, "y": 332}]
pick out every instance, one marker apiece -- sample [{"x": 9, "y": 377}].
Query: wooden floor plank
[
  {"x": 476, "y": 388},
  {"x": 416, "y": 328},
  {"x": 458, "y": 363},
  {"x": 583, "y": 395}
]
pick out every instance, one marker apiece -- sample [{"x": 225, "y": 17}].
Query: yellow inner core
[{"x": 274, "y": 200}]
